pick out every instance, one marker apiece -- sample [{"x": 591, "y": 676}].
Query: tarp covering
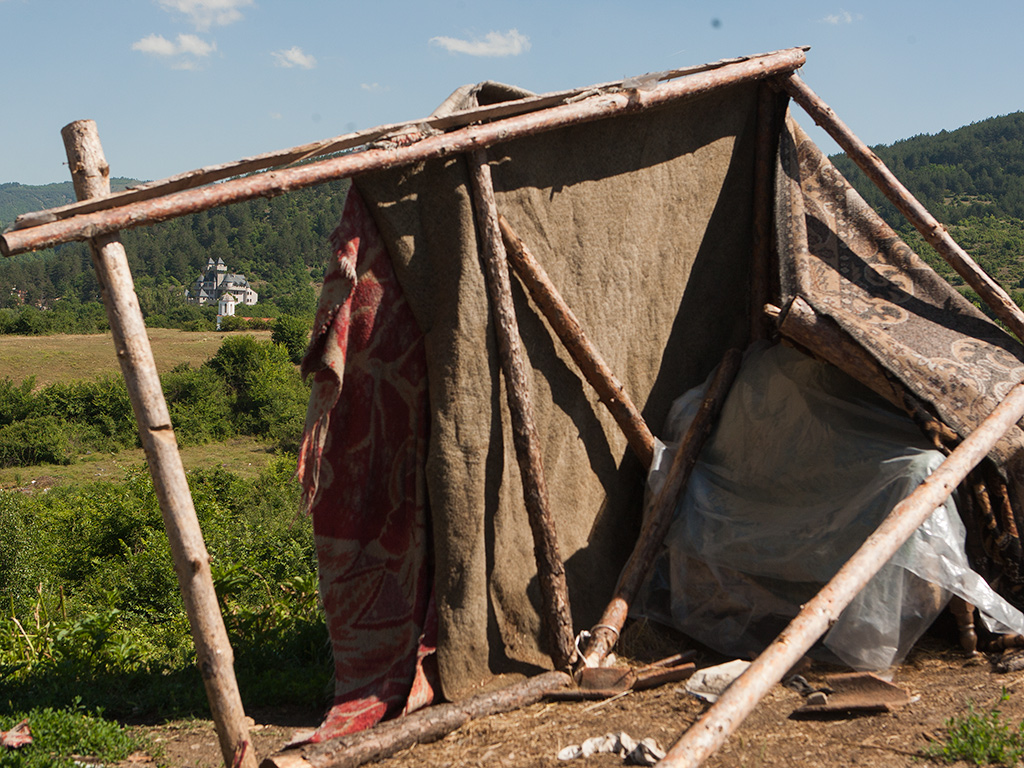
[{"x": 847, "y": 263}]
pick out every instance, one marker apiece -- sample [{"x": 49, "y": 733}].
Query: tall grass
[{"x": 89, "y": 602}]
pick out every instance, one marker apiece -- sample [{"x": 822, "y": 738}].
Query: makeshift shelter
[{"x": 650, "y": 204}]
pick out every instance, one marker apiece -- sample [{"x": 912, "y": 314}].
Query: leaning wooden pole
[
  {"x": 605, "y": 633},
  {"x": 91, "y": 177},
  {"x": 929, "y": 227},
  {"x": 567, "y": 326},
  {"x": 596, "y": 107},
  {"x": 550, "y": 568},
  {"x": 421, "y": 727},
  {"x": 771, "y": 109},
  {"x": 739, "y": 700}
]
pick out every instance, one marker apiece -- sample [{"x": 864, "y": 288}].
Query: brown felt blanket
[{"x": 644, "y": 223}]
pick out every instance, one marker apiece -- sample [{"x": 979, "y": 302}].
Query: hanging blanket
[
  {"x": 644, "y": 225},
  {"x": 362, "y": 469}
]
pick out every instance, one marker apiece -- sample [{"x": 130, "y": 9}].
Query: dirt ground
[{"x": 940, "y": 682}]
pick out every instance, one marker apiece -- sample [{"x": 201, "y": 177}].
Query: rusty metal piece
[
  {"x": 854, "y": 692},
  {"x": 715, "y": 726},
  {"x": 652, "y": 677},
  {"x": 465, "y": 139}
]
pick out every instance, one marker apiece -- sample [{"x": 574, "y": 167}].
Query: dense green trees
[
  {"x": 281, "y": 245},
  {"x": 249, "y": 387}
]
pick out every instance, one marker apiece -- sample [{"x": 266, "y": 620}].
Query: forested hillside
[
  {"x": 279, "y": 244},
  {"x": 972, "y": 180},
  {"x": 16, "y": 199}
]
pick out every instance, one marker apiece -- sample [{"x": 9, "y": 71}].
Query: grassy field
[
  {"x": 85, "y": 357},
  {"x": 244, "y": 456}
]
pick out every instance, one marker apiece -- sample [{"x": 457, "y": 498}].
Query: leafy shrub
[
  {"x": 269, "y": 397},
  {"x": 37, "y": 440},
  {"x": 61, "y": 737},
  {"x": 292, "y": 333},
  {"x": 94, "y": 601},
  {"x": 982, "y": 738},
  {"x": 102, "y": 407},
  {"x": 17, "y": 401},
  {"x": 199, "y": 403}
]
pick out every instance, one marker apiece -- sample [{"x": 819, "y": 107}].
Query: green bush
[
  {"x": 92, "y": 602},
  {"x": 37, "y": 440},
  {"x": 269, "y": 397},
  {"x": 17, "y": 401},
  {"x": 293, "y": 334},
  {"x": 982, "y": 738},
  {"x": 199, "y": 403},
  {"x": 62, "y": 737}
]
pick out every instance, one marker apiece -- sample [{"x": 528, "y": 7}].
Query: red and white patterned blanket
[{"x": 361, "y": 465}]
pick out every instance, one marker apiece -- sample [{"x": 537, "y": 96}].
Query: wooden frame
[{"x": 99, "y": 218}]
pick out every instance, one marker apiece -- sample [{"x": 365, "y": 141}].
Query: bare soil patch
[{"x": 941, "y": 683}]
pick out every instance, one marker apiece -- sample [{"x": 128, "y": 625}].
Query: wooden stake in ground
[
  {"x": 91, "y": 177},
  {"x": 740, "y": 698},
  {"x": 550, "y": 568},
  {"x": 605, "y": 634},
  {"x": 929, "y": 227},
  {"x": 564, "y": 322}
]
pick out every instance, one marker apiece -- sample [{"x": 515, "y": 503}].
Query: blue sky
[{"x": 178, "y": 84}]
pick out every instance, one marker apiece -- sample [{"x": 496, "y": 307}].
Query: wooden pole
[
  {"x": 382, "y": 134},
  {"x": 740, "y": 698},
  {"x": 932, "y": 231},
  {"x": 826, "y": 340},
  {"x": 771, "y": 106},
  {"x": 605, "y": 634},
  {"x": 421, "y": 727},
  {"x": 465, "y": 139},
  {"x": 565, "y": 323},
  {"x": 91, "y": 177},
  {"x": 550, "y": 568}
]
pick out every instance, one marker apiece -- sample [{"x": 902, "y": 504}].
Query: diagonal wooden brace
[
  {"x": 550, "y": 568},
  {"x": 91, "y": 177}
]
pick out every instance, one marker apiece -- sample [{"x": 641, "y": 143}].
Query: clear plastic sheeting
[{"x": 803, "y": 466}]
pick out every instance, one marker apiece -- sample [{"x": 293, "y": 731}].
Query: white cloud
[
  {"x": 293, "y": 57},
  {"x": 276, "y": 115},
  {"x": 372, "y": 87},
  {"x": 157, "y": 45},
  {"x": 509, "y": 43},
  {"x": 843, "y": 17},
  {"x": 203, "y": 14},
  {"x": 187, "y": 49},
  {"x": 196, "y": 46}
]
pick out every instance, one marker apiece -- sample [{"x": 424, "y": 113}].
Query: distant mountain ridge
[
  {"x": 976, "y": 170},
  {"x": 16, "y": 199},
  {"x": 972, "y": 180}
]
